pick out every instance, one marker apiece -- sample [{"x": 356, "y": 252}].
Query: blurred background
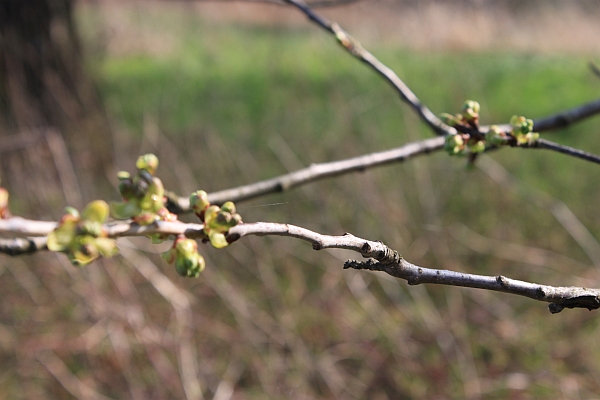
[{"x": 229, "y": 93}]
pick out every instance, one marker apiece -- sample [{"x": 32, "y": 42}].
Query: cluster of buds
[
  {"x": 522, "y": 130},
  {"x": 184, "y": 253},
  {"x": 469, "y": 116},
  {"x": 82, "y": 237},
  {"x": 521, "y": 133},
  {"x": 4, "y": 203},
  {"x": 217, "y": 220},
  {"x": 469, "y": 140},
  {"x": 463, "y": 142},
  {"x": 143, "y": 194}
]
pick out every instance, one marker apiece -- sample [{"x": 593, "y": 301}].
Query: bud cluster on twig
[
  {"x": 83, "y": 237},
  {"x": 470, "y": 140}
]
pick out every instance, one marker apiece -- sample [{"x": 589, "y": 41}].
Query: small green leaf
[
  {"x": 217, "y": 239},
  {"x": 96, "y": 211},
  {"x": 63, "y": 236},
  {"x": 106, "y": 246},
  {"x": 124, "y": 210},
  {"x": 72, "y": 211}
]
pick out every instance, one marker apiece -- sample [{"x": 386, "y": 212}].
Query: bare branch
[
  {"x": 561, "y": 119},
  {"x": 20, "y": 246},
  {"x": 18, "y": 226},
  {"x": 355, "y": 48},
  {"x": 380, "y": 258},
  {"x": 313, "y": 173},
  {"x": 570, "y": 151},
  {"x": 283, "y": 183}
]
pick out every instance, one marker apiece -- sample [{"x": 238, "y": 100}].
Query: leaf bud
[
  {"x": 186, "y": 247},
  {"x": 217, "y": 239},
  {"x": 495, "y": 136},
  {"x": 228, "y": 206},
  {"x": 145, "y": 218},
  {"x": 199, "y": 201},
  {"x": 454, "y": 144},
  {"x": 122, "y": 175},
  {"x": 148, "y": 162},
  {"x": 477, "y": 147},
  {"x": 96, "y": 211}
]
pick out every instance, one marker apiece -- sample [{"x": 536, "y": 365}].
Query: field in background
[{"x": 224, "y": 104}]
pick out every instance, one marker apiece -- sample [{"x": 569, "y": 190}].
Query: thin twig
[
  {"x": 20, "y": 246},
  {"x": 570, "y": 151},
  {"x": 355, "y": 48},
  {"x": 282, "y": 183},
  {"x": 22, "y": 227},
  {"x": 312, "y": 173},
  {"x": 380, "y": 258},
  {"x": 561, "y": 119}
]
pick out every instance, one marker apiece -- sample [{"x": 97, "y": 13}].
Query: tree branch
[
  {"x": 355, "y": 48},
  {"x": 570, "y": 151},
  {"x": 314, "y": 172},
  {"x": 561, "y": 119},
  {"x": 17, "y": 226},
  {"x": 380, "y": 257},
  {"x": 20, "y": 246},
  {"x": 285, "y": 182}
]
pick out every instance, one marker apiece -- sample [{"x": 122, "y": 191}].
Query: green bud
[
  {"x": 236, "y": 219},
  {"x": 96, "y": 211},
  {"x": 471, "y": 105},
  {"x": 217, "y": 239},
  {"x": 477, "y": 147},
  {"x": 210, "y": 214},
  {"x": 124, "y": 210},
  {"x": 106, "y": 247},
  {"x": 92, "y": 228},
  {"x": 495, "y": 136},
  {"x": 153, "y": 200},
  {"x": 521, "y": 125},
  {"x": 528, "y": 138},
  {"x": 122, "y": 175},
  {"x": 145, "y": 218},
  {"x": 454, "y": 144},
  {"x": 127, "y": 189},
  {"x": 61, "y": 238},
  {"x": 72, "y": 211},
  {"x": 84, "y": 251},
  {"x": 449, "y": 119},
  {"x": 199, "y": 201},
  {"x": 186, "y": 247},
  {"x": 190, "y": 267},
  {"x": 148, "y": 162},
  {"x": 229, "y": 207},
  {"x": 223, "y": 218}
]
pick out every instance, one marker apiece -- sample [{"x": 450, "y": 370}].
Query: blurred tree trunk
[{"x": 55, "y": 140}]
